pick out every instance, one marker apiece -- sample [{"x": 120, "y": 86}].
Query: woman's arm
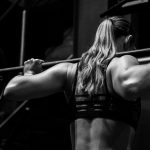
[
  {"x": 38, "y": 85},
  {"x": 129, "y": 79}
]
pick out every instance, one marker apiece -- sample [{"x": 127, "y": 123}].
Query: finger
[
  {"x": 32, "y": 59},
  {"x": 26, "y": 61},
  {"x": 40, "y": 61}
]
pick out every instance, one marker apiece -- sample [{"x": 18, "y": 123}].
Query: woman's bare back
[{"x": 102, "y": 134}]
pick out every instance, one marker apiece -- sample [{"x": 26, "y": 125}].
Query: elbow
[{"x": 10, "y": 93}]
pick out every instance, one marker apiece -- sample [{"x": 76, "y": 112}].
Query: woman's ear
[{"x": 129, "y": 43}]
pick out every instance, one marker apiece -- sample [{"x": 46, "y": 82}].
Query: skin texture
[
  {"x": 124, "y": 76},
  {"x": 95, "y": 134},
  {"x": 100, "y": 133}
]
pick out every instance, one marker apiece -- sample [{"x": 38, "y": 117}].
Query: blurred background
[{"x": 57, "y": 30}]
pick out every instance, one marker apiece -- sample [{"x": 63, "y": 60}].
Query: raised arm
[
  {"x": 129, "y": 79},
  {"x": 32, "y": 85}
]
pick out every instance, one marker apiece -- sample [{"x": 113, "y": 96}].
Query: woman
[{"x": 103, "y": 90}]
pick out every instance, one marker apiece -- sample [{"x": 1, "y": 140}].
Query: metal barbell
[{"x": 143, "y": 56}]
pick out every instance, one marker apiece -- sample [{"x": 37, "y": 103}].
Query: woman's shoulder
[
  {"x": 64, "y": 66},
  {"x": 129, "y": 58},
  {"x": 72, "y": 67},
  {"x": 117, "y": 64},
  {"x": 125, "y": 59},
  {"x": 67, "y": 68}
]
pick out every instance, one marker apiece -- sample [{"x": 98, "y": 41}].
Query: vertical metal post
[{"x": 23, "y": 32}]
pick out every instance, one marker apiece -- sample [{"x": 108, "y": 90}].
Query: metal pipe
[
  {"x": 114, "y": 8},
  {"x": 23, "y": 33},
  {"x": 143, "y": 56}
]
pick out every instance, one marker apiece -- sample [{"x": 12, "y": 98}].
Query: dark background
[
  {"x": 46, "y": 22},
  {"x": 55, "y": 30},
  {"x": 42, "y": 124}
]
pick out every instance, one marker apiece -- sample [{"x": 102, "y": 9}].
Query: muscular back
[{"x": 99, "y": 133}]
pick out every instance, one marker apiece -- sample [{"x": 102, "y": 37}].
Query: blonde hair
[{"x": 94, "y": 62}]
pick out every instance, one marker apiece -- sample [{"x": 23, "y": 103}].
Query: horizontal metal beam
[
  {"x": 121, "y": 9},
  {"x": 114, "y": 8},
  {"x": 143, "y": 56}
]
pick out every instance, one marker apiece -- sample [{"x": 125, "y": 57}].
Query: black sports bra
[{"x": 105, "y": 105}]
